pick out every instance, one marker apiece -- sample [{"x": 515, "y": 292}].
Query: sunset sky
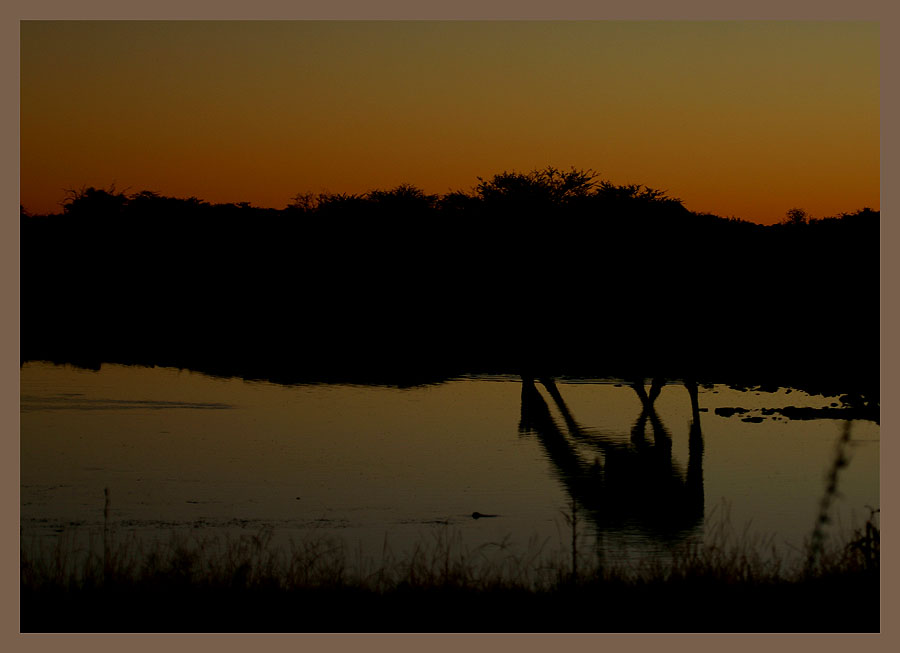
[{"x": 741, "y": 118}]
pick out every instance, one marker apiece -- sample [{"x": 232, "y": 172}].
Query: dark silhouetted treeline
[{"x": 547, "y": 272}]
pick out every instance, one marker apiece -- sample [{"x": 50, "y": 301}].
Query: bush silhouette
[
  {"x": 795, "y": 217},
  {"x": 94, "y": 203},
  {"x": 539, "y": 188}
]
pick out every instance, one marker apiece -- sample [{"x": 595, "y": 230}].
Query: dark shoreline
[
  {"x": 854, "y": 388},
  {"x": 545, "y": 273}
]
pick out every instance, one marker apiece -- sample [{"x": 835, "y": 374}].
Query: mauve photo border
[{"x": 16, "y": 10}]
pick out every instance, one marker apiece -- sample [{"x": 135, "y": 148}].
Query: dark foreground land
[
  {"x": 708, "y": 588},
  {"x": 838, "y": 605},
  {"x": 542, "y": 273}
]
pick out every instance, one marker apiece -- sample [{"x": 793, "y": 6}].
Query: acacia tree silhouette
[
  {"x": 796, "y": 216},
  {"x": 94, "y": 202},
  {"x": 538, "y": 188}
]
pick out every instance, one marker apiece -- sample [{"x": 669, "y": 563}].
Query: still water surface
[{"x": 376, "y": 466}]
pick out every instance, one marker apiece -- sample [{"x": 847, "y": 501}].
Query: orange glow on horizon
[{"x": 745, "y": 118}]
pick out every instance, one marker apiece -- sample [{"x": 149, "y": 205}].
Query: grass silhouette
[{"x": 725, "y": 582}]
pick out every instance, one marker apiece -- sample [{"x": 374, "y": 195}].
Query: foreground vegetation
[{"x": 248, "y": 585}]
